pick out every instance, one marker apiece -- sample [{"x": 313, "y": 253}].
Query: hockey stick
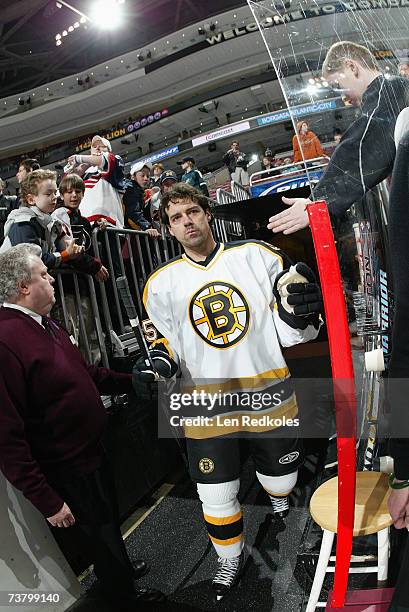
[
  {"x": 344, "y": 389},
  {"x": 125, "y": 295}
]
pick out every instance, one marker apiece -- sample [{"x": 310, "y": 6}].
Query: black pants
[
  {"x": 92, "y": 500},
  {"x": 400, "y": 601}
]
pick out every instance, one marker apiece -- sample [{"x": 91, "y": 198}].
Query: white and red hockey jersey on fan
[
  {"x": 102, "y": 198},
  {"x": 219, "y": 317}
]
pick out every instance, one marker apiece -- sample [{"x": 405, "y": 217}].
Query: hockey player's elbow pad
[{"x": 298, "y": 296}]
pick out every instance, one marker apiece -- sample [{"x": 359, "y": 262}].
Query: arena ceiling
[{"x": 28, "y": 53}]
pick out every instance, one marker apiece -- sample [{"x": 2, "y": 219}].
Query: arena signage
[
  {"x": 147, "y": 120},
  {"x": 126, "y": 129},
  {"x": 299, "y": 15},
  {"x": 298, "y": 111},
  {"x": 86, "y": 144},
  {"x": 224, "y": 132},
  {"x": 156, "y": 157}
]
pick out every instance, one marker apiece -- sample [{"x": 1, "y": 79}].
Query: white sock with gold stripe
[
  {"x": 223, "y": 516},
  {"x": 278, "y": 489}
]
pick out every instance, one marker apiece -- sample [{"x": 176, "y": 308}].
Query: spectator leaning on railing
[
  {"x": 134, "y": 199},
  {"x": 33, "y": 223},
  {"x": 71, "y": 191},
  {"x": 306, "y": 144}
]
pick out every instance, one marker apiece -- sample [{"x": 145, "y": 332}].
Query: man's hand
[
  {"x": 293, "y": 219},
  {"x": 102, "y": 275},
  {"x": 398, "y": 505},
  {"x": 153, "y": 233},
  {"x": 63, "y": 518}
]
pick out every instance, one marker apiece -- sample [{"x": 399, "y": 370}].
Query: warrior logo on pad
[{"x": 219, "y": 314}]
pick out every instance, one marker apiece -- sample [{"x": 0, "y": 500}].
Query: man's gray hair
[{"x": 15, "y": 269}]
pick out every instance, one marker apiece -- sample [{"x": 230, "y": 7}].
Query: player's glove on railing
[
  {"x": 298, "y": 296},
  {"x": 143, "y": 376}
]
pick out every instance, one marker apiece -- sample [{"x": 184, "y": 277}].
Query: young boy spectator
[
  {"x": 104, "y": 182},
  {"x": 33, "y": 223},
  {"x": 72, "y": 190},
  {"x": 157, "y": 170},
  {"x": 192, "y": 176},
  {"x": 134, "y": 200}
]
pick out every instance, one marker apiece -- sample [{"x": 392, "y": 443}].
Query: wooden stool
[{"x": 371, "y": 516}]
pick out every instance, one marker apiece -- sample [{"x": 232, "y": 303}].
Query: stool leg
[
  {"x": 323, "y": 559},
  {"x": 383, "y": 554}
]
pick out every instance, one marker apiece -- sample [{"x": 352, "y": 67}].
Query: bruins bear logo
[
  {"x": 219, "y": 314},
  {"x": 206, "y": 465}
]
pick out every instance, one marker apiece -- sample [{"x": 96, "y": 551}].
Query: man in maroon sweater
[{"x": 52, "y": 421}]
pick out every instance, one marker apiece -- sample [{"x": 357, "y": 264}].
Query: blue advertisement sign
[
  {"x": 298, "y": 111},
  {"x": 155, "y": 157},
  {"x": 285, "y": 184}
]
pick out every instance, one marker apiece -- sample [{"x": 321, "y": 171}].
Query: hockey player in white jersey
[{"x": 223, "y": 312}]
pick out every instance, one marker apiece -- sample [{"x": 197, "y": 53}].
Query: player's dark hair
[
  {"x": 29, "y": 164},
  {"x": 181, "y": 191}
]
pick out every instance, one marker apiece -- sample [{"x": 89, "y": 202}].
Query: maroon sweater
[{"x": 51, "y": 415}]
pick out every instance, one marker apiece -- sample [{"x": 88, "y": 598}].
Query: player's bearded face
[{"x": 188, "y": 223}]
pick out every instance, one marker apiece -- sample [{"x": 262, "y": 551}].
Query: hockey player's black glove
[
  {"x": 143, "y": 376},
  {"x": 298, "y": 296}
]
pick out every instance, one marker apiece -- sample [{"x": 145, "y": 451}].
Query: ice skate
[{"x": 227, "y": 575}]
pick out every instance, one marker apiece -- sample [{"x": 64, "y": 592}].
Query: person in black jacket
[
  {"x": 366, "y": 152},
  {"x": 398, "y": 370},
  {"x": 236, "y": 161},
  {"x": 133, "y": 199},
  {"x": 7, "y": 204}
]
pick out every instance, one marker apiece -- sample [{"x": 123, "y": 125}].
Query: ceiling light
[
  {"x": 106, "y": 14},
  {"x": 83, "y": 19},
  {"x": 76, "y": 24},
  {"x": 58, "y": 43},
  {"x": 65, "y": 33},
  {"x": 57, "y": 36},
  {"x": 311, "y": 90},
  {"x": 71, "y": 29}
]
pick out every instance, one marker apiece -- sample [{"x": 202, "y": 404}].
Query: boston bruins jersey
[{"x": 220, "y": 321}]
